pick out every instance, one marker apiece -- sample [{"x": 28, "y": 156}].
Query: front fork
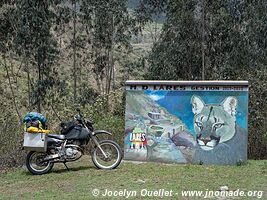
[{"x": 97, "y": 145}]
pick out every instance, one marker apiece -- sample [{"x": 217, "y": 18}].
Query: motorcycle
[{"x": 71, "y": 146}]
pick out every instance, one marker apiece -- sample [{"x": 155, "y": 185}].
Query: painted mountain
[{"x": 152, "y": 133}]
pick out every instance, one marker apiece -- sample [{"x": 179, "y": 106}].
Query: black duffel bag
[{"x": 66, "y": 127}]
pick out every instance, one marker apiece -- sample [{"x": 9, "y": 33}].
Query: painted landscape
[{"x": 162, "y": 126}]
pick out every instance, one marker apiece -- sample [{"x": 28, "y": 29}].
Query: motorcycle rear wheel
[
  {"x": 113, "y": 152},
  {"x": 35, "y": 165}
]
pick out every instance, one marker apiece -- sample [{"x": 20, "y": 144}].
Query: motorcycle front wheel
[
  {"x": 35, "y": 164},
  {"x": 113, "y": 153}
]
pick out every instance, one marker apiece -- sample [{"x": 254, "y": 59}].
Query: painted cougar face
[{"x": 214, "y": 123}]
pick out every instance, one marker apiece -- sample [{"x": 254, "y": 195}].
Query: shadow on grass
[
  {"x": 27, "y": 173},
  {"x": 64, "y": 170}
]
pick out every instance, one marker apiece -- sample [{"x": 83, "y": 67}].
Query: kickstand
[{"x": 66, "y": 166}]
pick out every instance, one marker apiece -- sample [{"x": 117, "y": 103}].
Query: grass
[{"x": 83, "y": 177}]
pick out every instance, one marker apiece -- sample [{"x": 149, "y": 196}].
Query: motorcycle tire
[
  {"x": 110, "y": 148},
  {"x": 34, "y": 166}
]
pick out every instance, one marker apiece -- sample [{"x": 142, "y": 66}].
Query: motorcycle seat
[{"x": 56, "y": 136}]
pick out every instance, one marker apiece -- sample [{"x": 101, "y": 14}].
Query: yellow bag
[
  {"x": 32, "y": 129},
  {"x": 35, "y": 123}
]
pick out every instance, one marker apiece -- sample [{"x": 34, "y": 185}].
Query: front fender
[{"x": 97, "y": 132}]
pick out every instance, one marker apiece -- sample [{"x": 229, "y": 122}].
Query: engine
[{"x": 72, "y": 152}]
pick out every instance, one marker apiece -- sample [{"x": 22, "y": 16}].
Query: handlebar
[{"x": 79, "y": 117}]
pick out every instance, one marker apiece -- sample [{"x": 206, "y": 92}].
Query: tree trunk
[
  {"x": 29, "y": 84},
  {"x": 203, "y": 39},
  {"x": 98, "y": 83},
  {"x": 74, "y": 52},
  {"x": 113, "y": 72},
  {"x": 12, "y": 92},
  {"x": 39, "y": 90}
]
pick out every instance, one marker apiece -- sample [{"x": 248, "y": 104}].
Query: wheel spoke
[
  {"x": 112, "y": 152},
  {"x": 36, "y": 163}
]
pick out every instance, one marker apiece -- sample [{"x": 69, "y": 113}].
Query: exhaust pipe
[{"x": 51, "y": 157}]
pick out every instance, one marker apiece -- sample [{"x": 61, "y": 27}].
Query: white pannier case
[{"x": 35, "y": 141}]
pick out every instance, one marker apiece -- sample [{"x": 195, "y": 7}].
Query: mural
[{"x": 186, "y": 126}]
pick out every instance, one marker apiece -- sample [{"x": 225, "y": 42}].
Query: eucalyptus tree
[
  {"x": 221, "y": 35},
  {"x": 107, "y": 26},
  {"x": 232, "y": 36},
  {"x": 177, "y": 54},
  {"x": 37, "y": 46},
  {"x": 8, "y": 27}
]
